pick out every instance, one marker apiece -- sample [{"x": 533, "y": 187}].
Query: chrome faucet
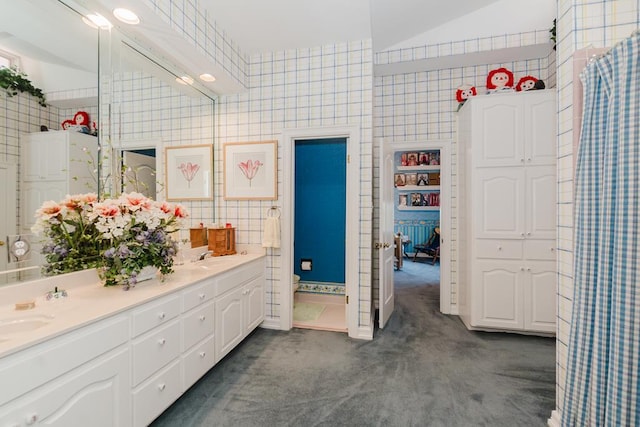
[{"x": 203, "y": 255}]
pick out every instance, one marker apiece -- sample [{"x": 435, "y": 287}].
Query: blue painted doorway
[{"x": 320, "y": 209}]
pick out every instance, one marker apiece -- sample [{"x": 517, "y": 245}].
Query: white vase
[{"x": 147, "y": 273}]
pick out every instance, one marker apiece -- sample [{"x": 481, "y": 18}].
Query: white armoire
[
  {"x": 54, "y": 164},
  {"x": 507, "y": 212}
]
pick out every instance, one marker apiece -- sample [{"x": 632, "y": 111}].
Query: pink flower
[
  {"x": 180, "y": 211},
  {"x": 107, "y": 210},
  {"x": 49, "y": 209},
  {"x": 166, "y": 207},
  {"x": 136, "y": 201},
  {"x": 189, "y": 171},
  {"x": 250, "y": 169}
]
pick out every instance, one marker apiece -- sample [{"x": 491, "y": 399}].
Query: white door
[
  {"x": 385, "y": 237},
  {"x": 8, "y": 218},
  {"x": 139, "y": 174}
]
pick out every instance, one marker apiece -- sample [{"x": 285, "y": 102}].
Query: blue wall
[{"x": 320, "y": 208}]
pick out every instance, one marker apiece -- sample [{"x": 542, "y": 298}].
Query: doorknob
[{"x": 1, "y": 242}]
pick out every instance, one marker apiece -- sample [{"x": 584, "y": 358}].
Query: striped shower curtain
[{"x": 603, "y": 365}]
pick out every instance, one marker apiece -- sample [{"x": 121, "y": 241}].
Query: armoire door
[{"x": 499, "y": 199}]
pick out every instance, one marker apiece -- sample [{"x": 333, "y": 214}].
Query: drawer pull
[
  {"x": 31, "y": 419},
  {"x": 521, "y": 268},
  {"x": 528, "y": 233},
  {"x": 201, "y": 318},
  {"x": 161, "y": 316},
  {"x": 201, "y": 296},
  {"x": 161, "y": 341},
  {"x": 161, "y": 387},
  {"x": 553, "y": 249},
  {"x": 499, "y": 248},
  {"x": 202, "y": 354}
]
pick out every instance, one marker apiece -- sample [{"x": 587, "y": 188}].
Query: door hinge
[
  {"x": 348, "y": 158},
  {"x": 347, "y": 298}
]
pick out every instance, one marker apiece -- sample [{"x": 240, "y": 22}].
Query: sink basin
[{"x": 26, "y": 323}]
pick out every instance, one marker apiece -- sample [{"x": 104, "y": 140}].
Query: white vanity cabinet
[
  {"x": 507, "y": 212},
  {"x": 127, "y": 368},
  {"x": 54, "y": 164},
  {"x": 77, "y": 379},
  {"x": 239, "y": 306}
]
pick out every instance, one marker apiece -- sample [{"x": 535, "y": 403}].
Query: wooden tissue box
[
  {"x": 198, "y": 237},
  {"x": 222, "y": 241}
]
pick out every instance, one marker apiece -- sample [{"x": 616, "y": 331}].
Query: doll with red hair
[
  {"x": 499, "y": 80},
  {"x": 526, "y": 83},
  {"x": 463, "y": 93}
]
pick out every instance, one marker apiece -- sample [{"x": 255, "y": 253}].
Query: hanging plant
[{"x": 14, "y": 81}]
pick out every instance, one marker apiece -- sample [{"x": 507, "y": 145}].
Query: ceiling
[{"x": 260, "y": 26}]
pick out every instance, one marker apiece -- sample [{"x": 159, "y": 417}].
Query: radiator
[{"x": 417, "y": 231}]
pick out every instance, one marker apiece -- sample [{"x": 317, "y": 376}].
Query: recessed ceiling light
[
  {"x": 126, "y": 16},
  {"x": 206, "y": 77},
  {"x": 96, "y": 20},
  {"x": 184, "y": 80}
]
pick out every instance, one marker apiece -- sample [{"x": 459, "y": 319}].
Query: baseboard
[
  {"x": 555, "y": 420},
  {"x": 272, "y": 323}
]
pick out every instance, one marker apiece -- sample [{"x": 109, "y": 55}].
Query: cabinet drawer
[
  {"x": 239, "y": 276},
  {"x": 198, "y": 361},
  {"x": 155, "y": 314},
  {"x": 197, "y": 325},
  {"x": 157, "y": 395},
  {"x": 544, "y": 250},
  {"x": 152, "y": 352},
  {"x": 198, "y": 294},
  {"x": 502, "y": 249}
]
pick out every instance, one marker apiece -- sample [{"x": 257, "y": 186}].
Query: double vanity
[{"x": 107, "y": 357}]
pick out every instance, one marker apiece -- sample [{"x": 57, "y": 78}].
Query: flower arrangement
[{"x": 119, "y": 236}]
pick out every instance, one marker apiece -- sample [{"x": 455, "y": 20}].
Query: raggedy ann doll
[
  {"x": 499, "y": 80},
  {"x": 463, "y": 93}
]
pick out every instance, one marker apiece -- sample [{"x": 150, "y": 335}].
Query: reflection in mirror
[
  {"x": 146, "y": 110},
  {"x": 49, "y": 43}
]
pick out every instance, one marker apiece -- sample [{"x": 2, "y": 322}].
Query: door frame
[
  {"x": 352, "y": 246},
  {"x": 142, "y": 144},
  {"x": 10, "y": 211},
  {"x": 445, "y": 210}
]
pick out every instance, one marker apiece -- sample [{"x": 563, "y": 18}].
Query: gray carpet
[{"x": 423, "y": 369}]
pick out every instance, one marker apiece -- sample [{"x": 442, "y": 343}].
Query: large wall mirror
[{"x": 138, "y": 107}]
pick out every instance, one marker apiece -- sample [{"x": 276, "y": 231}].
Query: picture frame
[
  {"x": 250, "y": 170},
  {"x": 189, "y": 172},
  {"x": 399, "y": 180},
  {"x": 412, "y": 179}
]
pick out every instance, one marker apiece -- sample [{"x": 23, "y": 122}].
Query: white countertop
[{"x": 89, "y": 301}]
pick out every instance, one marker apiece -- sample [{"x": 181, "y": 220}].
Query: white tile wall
[{"x": 322, "y": 86}]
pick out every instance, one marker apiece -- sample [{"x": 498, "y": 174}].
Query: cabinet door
[
  {"x": 540, "y": 209},
  {"x": 540, "y": 128},
  {"x": 254, "y": 303},
  {"x": 497, "y": 295},
  {"x": 34, "y": 194},
  {"x": 540, "y": 296},
  {"x": 498, "y": 203},
  {"x": 229, "y": 329},
  {"x": 97, "y": 394},
  {"x": 498, "y": 132},
  {"x": 45, "y": 156}
]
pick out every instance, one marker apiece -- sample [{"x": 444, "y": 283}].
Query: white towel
[{"x": 271, "y": 232}]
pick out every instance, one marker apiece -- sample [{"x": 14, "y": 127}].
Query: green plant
[
  {"x": 14, "y": 81},
  {"x": 552, "y": 31}
]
